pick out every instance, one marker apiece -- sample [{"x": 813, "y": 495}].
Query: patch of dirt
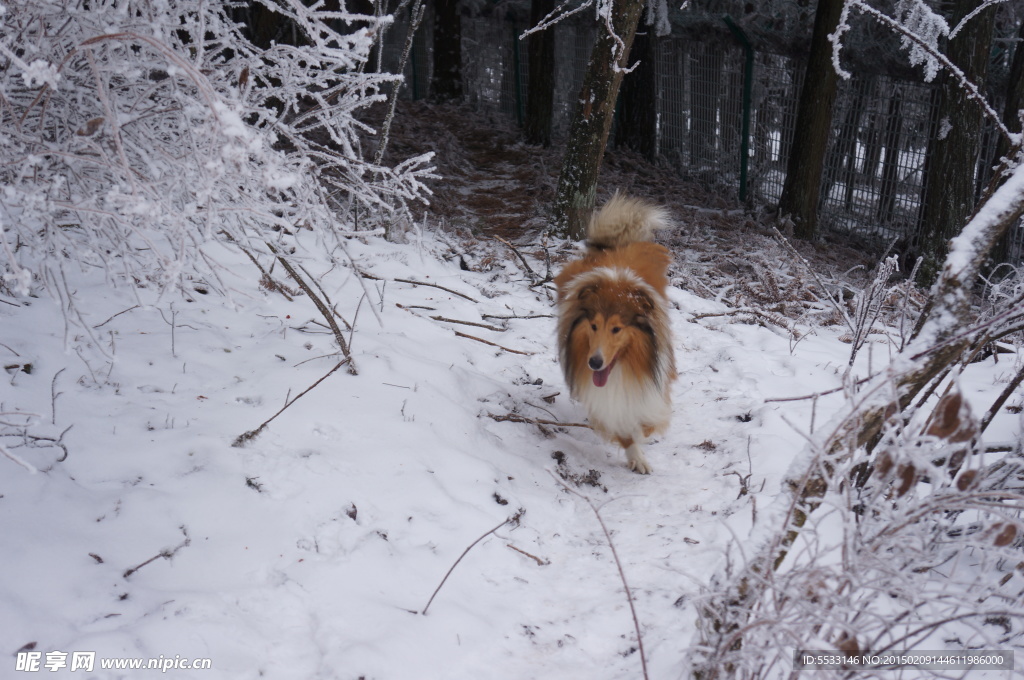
[
  {"x": 495, "y": 183},
  {"x": 491, "y": 183}
]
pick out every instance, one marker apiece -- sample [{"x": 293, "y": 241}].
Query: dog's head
[{"x": 610, "y": 320}]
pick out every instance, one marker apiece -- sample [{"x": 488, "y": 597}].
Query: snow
[
  {"x": 1006, "y": 201},
  {"x": 308, "y": 552}
]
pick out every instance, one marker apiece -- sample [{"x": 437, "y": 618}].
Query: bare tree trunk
[
  {"x": 540, "y": 86},
  {"x": 949, "y": 193},
  {"x": 637, "y": 123},
  {"x": 789, "y": 109},
  {"x": 672, "y": 111},
  {"x": 802, "y": 188},
  {"x": 446, "y": 81},
  {"x": 263, "y": 24},
  {"x": 844, "y": 151},
  {"x": 588, "y": 134},
  {"x": 864, "y": 92},
  {"x": 890, "y": 166},
  {"x": 731, "y": 113}
]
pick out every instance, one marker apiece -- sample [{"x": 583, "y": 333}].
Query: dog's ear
[
  {"x": 586, "y": 292},
  {"x": 645, "y": 303},
  {"x": 645, "y": 308}
]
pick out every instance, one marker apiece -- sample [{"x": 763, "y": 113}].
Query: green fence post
[{"x": 748, "y": 82}]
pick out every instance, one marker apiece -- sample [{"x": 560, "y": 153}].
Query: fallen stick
[
  {"x": 618, "y": 564},
  {"x": 434, "y": 285},
  {"x": 533, "y": 275},
  {"x": 516, "y": 418},
  {"x": 540, "y": 562},
  {"x": 117, "y": 315},
  {"x": 166, "y": 554},
  {"x": 514, "y": 519},
  {"x": 515, "y": 316},
  {"x": 438, "y": 317},
  {"x": 470, "y": 323},
  {"x": 823, "y": 393},
  {"x": 751, "y": 312},
  {"x": 246, "y": 437},
  {"x": 492, "y": 344},
  {"x": 326, "y": 311}
]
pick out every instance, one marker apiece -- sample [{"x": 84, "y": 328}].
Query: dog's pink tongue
[{"x": 601, "y": 377}]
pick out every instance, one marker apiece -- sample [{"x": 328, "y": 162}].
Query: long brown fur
[{"x": 612, "y": 312}]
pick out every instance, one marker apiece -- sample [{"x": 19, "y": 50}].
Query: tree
[
  {"x": 636, "y": 126},
  {"x": 706, "y": 73},
  {"x": 950, "y": 188},
  {"x": 888, "y": 189},
  {"x": 800, "y": 193},
  {"x": 591, "y": 124},
  {"x": 446, "y": 81},
  {"x": 540, "y": 86}
]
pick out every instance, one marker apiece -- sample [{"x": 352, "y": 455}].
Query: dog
[{"x": 614, "y": 335}]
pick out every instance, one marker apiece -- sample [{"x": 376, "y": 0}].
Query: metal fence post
[{"x": 748, "y": 82}]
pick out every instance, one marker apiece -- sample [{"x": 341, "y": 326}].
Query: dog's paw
[{"x": 637, "y": 462}]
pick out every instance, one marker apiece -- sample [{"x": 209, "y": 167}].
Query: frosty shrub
[
  {"x": 898, "y": 527},
  {"x": 1004, "y": 300},
  {"x": 142, "y": 137},
  {"x": 915, "y": 547}
]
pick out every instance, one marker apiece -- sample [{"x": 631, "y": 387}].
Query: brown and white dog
[{"x": 614, "y": 335}]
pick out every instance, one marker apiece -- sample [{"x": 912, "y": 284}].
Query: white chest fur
[{"x": 622, "y": 408}]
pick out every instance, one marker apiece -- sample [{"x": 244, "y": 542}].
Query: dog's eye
[
  {"x": 593, "y": 326},
  {"x": 616, "y": 329}
]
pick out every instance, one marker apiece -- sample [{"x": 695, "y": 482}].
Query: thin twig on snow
[
  {"x": 618, "y": 564},
  {"x": 514, "y": 519}
]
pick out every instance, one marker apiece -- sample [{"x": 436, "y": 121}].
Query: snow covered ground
[{"x": 312, "y": 550}]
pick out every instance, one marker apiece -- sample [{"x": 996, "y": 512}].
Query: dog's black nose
[{"x": 596, "y": 362}]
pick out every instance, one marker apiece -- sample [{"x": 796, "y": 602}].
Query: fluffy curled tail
[{"x": 623, "y": 220}]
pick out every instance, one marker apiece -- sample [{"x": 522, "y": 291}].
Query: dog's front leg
[{"x": 636, "y": 460}]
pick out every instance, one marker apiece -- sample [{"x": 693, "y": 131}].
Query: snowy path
[{"x": 307, "y": 553}]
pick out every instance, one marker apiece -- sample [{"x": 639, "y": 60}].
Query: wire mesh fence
[
  {"x": 700, "y": 110},
  {"x": 874, "y": 168},
  {"x": 777, "y": 89},
  {"x": 873, "y": 182}
]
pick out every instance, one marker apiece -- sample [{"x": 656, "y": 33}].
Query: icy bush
[
  {"x": 914, "y": 547},
  {"x": 1004, "y": 304},
  {"x": 139, "y": 133}
]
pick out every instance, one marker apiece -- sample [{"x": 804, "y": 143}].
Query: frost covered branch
[
  {"x": 876, "y": 555},
  {"x": 20, "y": 430},
  {"x": 920, "y": 30},
  {"x": 657, "y": 16}
]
